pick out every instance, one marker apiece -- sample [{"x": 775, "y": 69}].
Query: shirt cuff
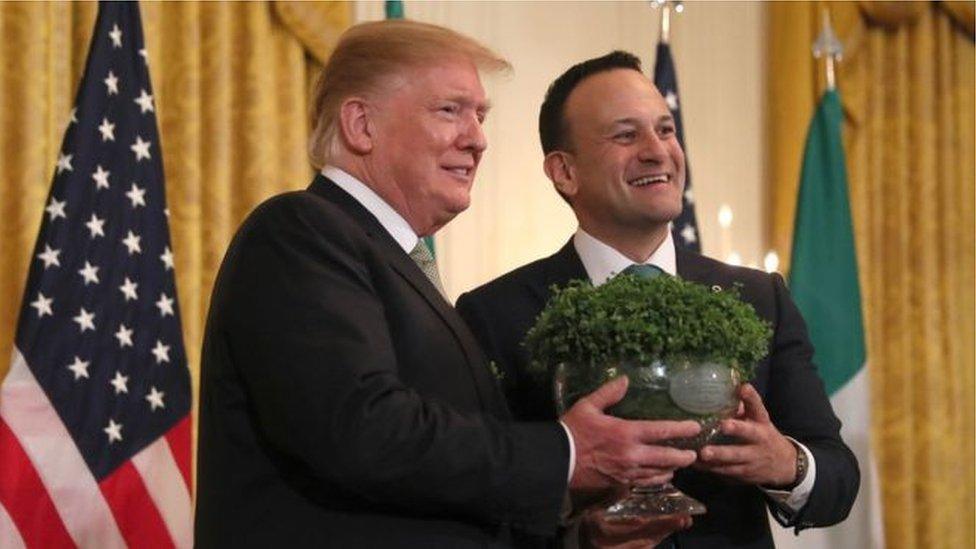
[
  {"x": 795, "y": 499},
  {"x": 572, "y": 453}
]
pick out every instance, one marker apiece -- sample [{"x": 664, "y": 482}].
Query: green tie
[
  {"x": 425, "y": 260},
  {"x": 644, "y": 271}
]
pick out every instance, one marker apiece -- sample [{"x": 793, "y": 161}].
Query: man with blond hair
[{"x": 344, "y": 403}]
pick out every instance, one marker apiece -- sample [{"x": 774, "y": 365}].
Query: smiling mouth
[
  {"x": 650, "y": 179},
  {"x": 461, "y": 172}
]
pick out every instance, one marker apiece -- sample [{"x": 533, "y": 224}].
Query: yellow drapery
[
  {"x": 907, "y": 84},
  {"x": 231, "y": 87}
]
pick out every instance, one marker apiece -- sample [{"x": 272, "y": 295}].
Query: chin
[
  {"x": 442, "y": 218},
  {"x": 658, "y": 218},
  {"x": 663, "y": 213},
  {"x": 458, "y": 204},
  {"x": 670, "y": 211}
]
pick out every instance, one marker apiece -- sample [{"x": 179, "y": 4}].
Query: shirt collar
[
  {"x": 602, "y": 262},
  {"x": 393, "y": 222}
]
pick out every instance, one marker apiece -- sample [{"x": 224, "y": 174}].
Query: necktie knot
[
  {"x": 644, "y": 271},
  {"x": 421, "y": 255}
]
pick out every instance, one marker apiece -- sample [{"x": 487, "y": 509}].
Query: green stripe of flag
[
  {"x": 823, "y": 273},
  {"x": 394, "y": 9}
]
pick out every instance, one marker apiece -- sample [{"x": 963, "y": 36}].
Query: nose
[
  {"x": 653, "y": 149},
  {"x": 472, "y": 136}
]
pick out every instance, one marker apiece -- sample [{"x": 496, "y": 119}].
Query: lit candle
[
  {"x": 725, "y": 216},
  {"x": 725, "y": 222},
  {"x": 771, "y": 262}
]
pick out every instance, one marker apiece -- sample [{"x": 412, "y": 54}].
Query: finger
[
  {"x": 600, "y": 541},
  {"x": 649, "y": 476},
  {"x": 740, "y": 472},
  {"x": 621, "y": 530},
  {"x": 654, "y": 480},
  {"x": 754, "y": 407},
  {"x": 661, "y": 457},
  {"x": 748, "y": 432},
  {"x": 619, "y": 458},
  {"x": 726, "y": 455},
  {"x": 663, "y": 523},
  {"x": 658, "y": 431},
  {"x": 608, "y": 394},
  {"x": 645, "y": 476},
  {"x": 679, "y": 522}
]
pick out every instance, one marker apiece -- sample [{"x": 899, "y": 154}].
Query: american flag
[
  {"x": 685, "y": 227},
  {"x": 95, "y": 411}
]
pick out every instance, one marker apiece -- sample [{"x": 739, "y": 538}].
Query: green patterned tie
[
  {"x": 644, "y": 271},
  {"x": 425, "y": 260}
]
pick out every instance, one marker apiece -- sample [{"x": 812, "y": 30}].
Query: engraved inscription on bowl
[{"x": 705, "y": 389}]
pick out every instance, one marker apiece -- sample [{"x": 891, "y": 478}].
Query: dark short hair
[{"x": 553, "y": 128}]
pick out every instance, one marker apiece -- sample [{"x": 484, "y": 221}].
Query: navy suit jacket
[
  {"x": 502, "y": 311},
  {"x": 344, "y": 403}
]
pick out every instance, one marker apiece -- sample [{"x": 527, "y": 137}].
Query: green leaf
[{"x": 642, "y": 320}]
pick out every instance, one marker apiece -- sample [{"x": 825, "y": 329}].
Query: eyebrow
[
  {"x": 467, "y": 101},
  {"x": 636, "y": 122}
]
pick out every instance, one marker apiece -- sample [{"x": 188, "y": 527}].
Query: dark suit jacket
[
  {"x": 502, "y": 311},
  {"x": 344, "y": 403}
]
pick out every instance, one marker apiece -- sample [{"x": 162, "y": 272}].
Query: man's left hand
[
  {"x": 597, "y": 532},
  {"x": 762, "y": 454}
]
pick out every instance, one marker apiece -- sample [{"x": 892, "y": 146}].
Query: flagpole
[
  {"x": 685, "y": 226},
  {"x": 665, "y": 23},
  {"x": 830, "y": 48}
]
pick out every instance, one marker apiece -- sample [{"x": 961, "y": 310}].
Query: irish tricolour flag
[{"x": 823, "y": 280}]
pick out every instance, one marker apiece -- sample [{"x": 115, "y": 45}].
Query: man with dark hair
[
  {"x": 343, "y": 401},
  {"x": 612, "y": 153}
]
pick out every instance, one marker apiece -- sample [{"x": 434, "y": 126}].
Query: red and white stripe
[{"x": 49, "y": 497}]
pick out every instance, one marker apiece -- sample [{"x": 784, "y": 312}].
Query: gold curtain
[
  {"x": 231, "y": 84},
  {"x": 907, "y": 82}
]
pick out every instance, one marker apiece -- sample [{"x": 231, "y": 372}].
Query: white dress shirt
[
  {"x": 603, "y": 262},
  {"x": 393, "y": 222}
]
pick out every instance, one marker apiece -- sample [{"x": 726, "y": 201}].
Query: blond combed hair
[{"x": 367, "y": 56}]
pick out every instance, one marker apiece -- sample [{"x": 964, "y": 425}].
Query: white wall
[{"x": 515, "y": 215}]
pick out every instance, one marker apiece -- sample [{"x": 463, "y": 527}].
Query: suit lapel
[
  {"x": 694, "y": 267},
  {"x": 562, "y": 266},
  {"x": 485, "y": 384}
]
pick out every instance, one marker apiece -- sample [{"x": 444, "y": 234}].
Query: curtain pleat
[{"x": 908, "y": 88}]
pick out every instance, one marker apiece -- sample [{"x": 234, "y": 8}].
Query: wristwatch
[{"x": 801, "y": 466}]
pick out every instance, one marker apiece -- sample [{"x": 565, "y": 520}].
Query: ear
[
  {"x": 355, "y": 127},
  {"x": 560, "y": 170}
]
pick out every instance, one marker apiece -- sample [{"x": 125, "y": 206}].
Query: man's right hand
[{"x": 612, "y": 451}]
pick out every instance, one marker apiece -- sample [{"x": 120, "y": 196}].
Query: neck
[
  {"x": 361, "y": 170},
  {"x": 636, "y": 246}
]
